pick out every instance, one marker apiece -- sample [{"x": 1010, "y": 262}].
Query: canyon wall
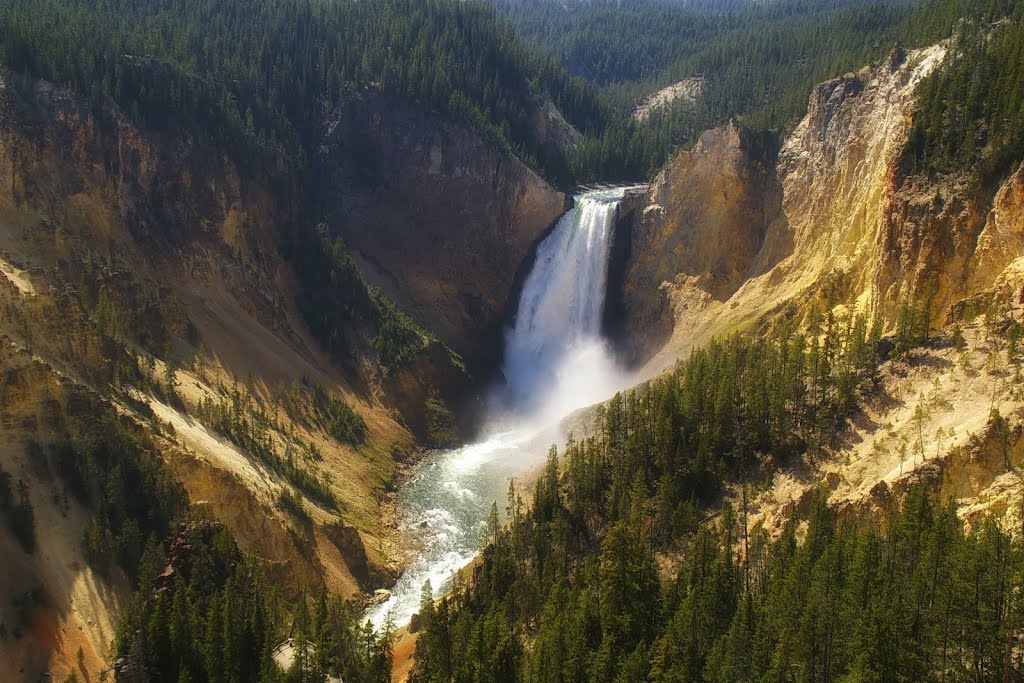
[
  {"x": 729, "y": 239},
  {"x": 732, "y": 237},
  {"x": 440, "y": 219},
  {"x": 698, "y": 235},
  {"x": 144, "y": 274}
]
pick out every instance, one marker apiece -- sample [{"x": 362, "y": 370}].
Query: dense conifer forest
[
  {"x": 571, "y": 588},
  {"x": 913, "y": 599},
  {"x": 971, "y": 116},
  {"x": 260, "y": 77},
  {"x": 217, "y": 618},
  {"x": 759, "y": 62}
]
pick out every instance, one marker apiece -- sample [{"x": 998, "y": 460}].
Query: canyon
[
  {"x": 121, "y": 243},
  {"x": 125, "y": 247},
  {"x": 735, "y": 235}
]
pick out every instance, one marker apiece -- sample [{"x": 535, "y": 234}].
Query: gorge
[
  {"x": 291, "y": 291},
  {"x": 555, "y": 361}
]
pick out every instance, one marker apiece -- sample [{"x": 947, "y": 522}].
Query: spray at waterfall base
[{"x": 556, "y": 362}]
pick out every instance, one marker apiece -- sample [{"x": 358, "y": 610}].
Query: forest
[
  {"x": 621, "y": 569},
  {"x": 214, "y": 616},
  {"x": 218, "y": 619},
  {"x": 971, "y": 113},
  {"x": 260, "y": 77},
  {"x": 344, "y": 311},
  {"x": 914, "y": 599},
  {"x": 760, "y": 63}
]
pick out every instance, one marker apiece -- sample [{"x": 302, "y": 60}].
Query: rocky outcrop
[
  {"x": 615, "y": 313},
  {"x": 182, "y": 554},
  {"x": 439, "y": 218},
  {"x": 702, "y": 230},
  {"x": 113, "y": 181},
  {"x": 728, "y": 239},
  {"x": 348, "y": 542},
  {"x": 682, "y": 94},
  {"x": 552, "y": 127},
  {"x": 844, "y": 179},
  {"x": 950, "y": 235}
]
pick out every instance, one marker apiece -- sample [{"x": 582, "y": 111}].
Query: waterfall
[
  {"x": 555, "y": 359},
  {"x": 555, "y": 362}
]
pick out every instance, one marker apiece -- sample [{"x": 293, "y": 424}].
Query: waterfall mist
[
  {"x": 555, "y": 363},
  {"x": 556, "y": 360}
]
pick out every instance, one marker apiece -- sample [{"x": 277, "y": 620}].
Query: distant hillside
[
  {"x": 260, "y": 76},
  {"x": 759, "y": 62}
]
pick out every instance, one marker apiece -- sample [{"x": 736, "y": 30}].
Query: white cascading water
[
  {"x": 555, "y": 362},
  {"x": 555, "y": 358}
]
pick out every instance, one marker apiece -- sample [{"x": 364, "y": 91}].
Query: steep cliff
[
  {"x": 703, "y": 226},
  {"x": 841, "y": 222},
  {"x": 439, "y": 218},
  {"x": 124, "y": 250},
  {"x": 142, "y": 276},
  {"x": 727, "y": 238}
]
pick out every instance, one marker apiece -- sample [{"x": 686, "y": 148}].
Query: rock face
[
  {"x": 439, "y": 218},
  {"x": 552, "y": 127},
  {"x": 119, "y": 244},
  {"x": 684, "y": 93},
  {"x": 702, "y": 229},
  {"x": 181, "y": 554},
  {"x": 728, "y": 239},
  {"x": 134, "y": 259},
  {"x": 842, "y": 171},
  {"x": 613, "y": 324},
  {"x": 114, "y": 182}
]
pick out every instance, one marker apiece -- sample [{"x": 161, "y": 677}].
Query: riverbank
[{"x": 556, "y": 361}]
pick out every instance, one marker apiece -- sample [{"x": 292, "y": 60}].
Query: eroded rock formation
[
  {"x": 439, "y": 218},
  {"x": 728, "y": 238}
]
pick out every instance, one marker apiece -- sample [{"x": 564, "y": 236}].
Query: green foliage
[
  {"x": 114, "y": 470},
  {"x": 246, "y": 424},
  {"x": 569, "y": 590},
  {"x": 258, "y": 76},
  {"x": 919, "y": 600},
  {"x": 914, "y": 320},
  {"x": 641, "y": 41},
  {"x": 220, "y": 620},
  {"x": 759, "y": 61},
  {"x": 123, "y": 310},
  {"x": 343, "y": 309},
  {"x": 217, "y": 619},
  {"x": 580, "y": 561},
  {"x": 338, "y": 418},
  {"x": 971, "y": 114},
  {"x": 292, "y": 504},
  {"x": 140, "y": 371},
  {"x": 441, "y": 428}
]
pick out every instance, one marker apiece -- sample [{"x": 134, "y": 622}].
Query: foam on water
[{"x": 555, "y": 362}]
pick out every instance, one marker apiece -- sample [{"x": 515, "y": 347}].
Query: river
[{"x": 555, "y": 362}]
